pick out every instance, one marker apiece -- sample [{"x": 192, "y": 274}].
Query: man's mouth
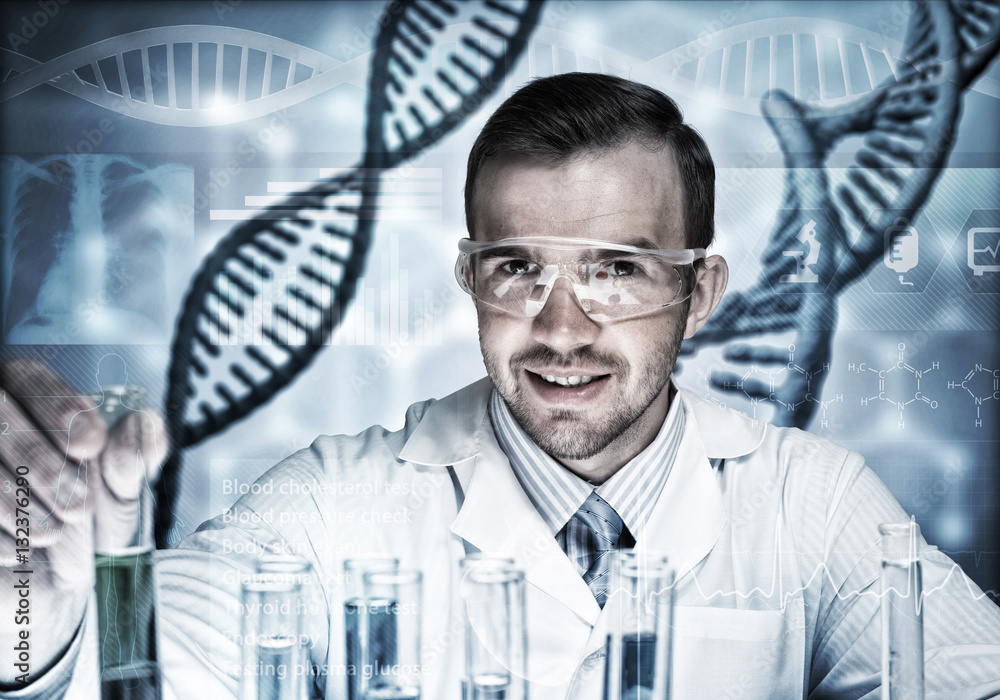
[
  {"x": 563, "y": 384},
  {"x": 575, "y": 380}
]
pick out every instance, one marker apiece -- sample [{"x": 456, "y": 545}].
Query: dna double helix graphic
[
  {"x": 412, "y": 104},
  {"x": 195, "y": 75},
  {"x": 188, "y": 75},
  {"x": 908, "y": 126},
  {"x": 831, "y": 63}
]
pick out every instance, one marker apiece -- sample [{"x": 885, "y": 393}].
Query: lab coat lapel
[
  {"x": 498, "y": 518},
  {"x": 687, "y": 518}
]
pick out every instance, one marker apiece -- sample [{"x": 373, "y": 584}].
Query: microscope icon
[{"x": 804, "y": 261}]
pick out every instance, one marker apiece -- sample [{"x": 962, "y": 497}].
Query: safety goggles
[{"x": 611, "y": 281}]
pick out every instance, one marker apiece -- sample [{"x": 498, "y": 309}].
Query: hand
[{"x": 62, "y": 474}]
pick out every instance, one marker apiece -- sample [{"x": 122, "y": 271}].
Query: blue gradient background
[{"x": 940, "y": 464}]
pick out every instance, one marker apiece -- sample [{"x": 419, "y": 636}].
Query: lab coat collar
[
  {"x": 450, "y": 430},
  {"x": 725, "y": 433}
]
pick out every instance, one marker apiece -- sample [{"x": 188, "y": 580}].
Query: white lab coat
[{"x": 772, "y": 533}]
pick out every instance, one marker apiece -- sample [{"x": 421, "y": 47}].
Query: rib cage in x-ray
[{"x": 87, "y": 249}]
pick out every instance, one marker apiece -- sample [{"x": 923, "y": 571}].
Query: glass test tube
[
  {"x": 274, "y": 660},
  {"x": 126, "y": 595},
  {"x": 390, "y": 652},
  {"x": 495, "y": 631},
  {"x": 902, "y": 612},
  {"x": 355, "y": 629},
  {"x": 472, "y": 644},
  {"x": 638, "y": 648}
]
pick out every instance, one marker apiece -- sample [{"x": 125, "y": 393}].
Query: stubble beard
[{"x": 568, "y": 434}]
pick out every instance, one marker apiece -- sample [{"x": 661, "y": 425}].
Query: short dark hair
[{"x": 561, "y": 116}]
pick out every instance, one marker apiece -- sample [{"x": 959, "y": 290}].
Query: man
[{"x": 589, "y": 206}]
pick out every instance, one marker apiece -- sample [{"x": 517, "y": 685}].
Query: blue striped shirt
[{"x": 558, "y": 493}]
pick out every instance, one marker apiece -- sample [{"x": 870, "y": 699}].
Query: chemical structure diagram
[
  {"x": 901, "y": 366},
  {"x": 977, "y": 384},
  {"x": 768, "y": 390}
]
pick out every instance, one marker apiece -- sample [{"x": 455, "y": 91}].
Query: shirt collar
[{"x": 557, "y": 493}]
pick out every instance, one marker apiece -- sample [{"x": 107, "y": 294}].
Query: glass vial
[
  {"x": 640, "y": 600},
  {"x": 355, "y": 629},
  {"x": 472, "y": 644},
  {"x": 275, "y": 664},
  {"x": 126, "y": 588},
  {"x": 495, "y": 630},
  {"x": 902, "y": 612},
  {"x": 390, "y": 652}
]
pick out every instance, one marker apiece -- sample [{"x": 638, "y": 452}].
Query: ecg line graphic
[
  {"x": 979, "y": 267},
  {"x": 123, "y": 74},
  {"x": 986, "y": 249},
  {"x": 776, "y": 583}
]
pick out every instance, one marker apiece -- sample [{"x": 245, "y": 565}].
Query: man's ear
[{"x": 713, "y": 275}]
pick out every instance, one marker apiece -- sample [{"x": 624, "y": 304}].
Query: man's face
[{"x": 630, "y": 196}]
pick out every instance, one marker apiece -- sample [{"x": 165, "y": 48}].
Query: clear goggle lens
[{"x": 611, "y": 281}]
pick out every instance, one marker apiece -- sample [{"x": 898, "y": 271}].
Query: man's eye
[
  {"x": 622, "y": 268},
  {"x": 517, "y": 267}
]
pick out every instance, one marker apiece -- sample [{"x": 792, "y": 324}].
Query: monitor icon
[{"x": 983, "y": 245}]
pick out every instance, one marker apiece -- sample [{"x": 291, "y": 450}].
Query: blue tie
[{"x": 607, "y": 532}]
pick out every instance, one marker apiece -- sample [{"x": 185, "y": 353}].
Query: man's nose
[{"x": 562, "y": 323}]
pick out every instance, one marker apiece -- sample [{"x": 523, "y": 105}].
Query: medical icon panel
[
  {"x": 976, "y": 251},
  {"x": 802, "y": 256},
  {"x": 912, "y": 250}
]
